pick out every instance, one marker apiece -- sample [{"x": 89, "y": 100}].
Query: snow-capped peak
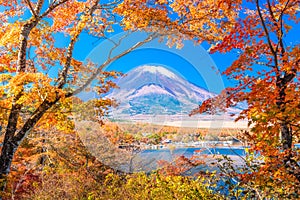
[
  {"x": 156, "y": 69},
  {"x": 155, "y": 89}
]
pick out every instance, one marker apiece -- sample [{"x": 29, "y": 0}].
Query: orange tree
[
  {"x": 39, "y": 77},
  {"x": 267, "y": 78}
]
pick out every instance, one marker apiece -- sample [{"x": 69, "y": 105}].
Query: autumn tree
[
  {"x": 39, "y": 77},
  {"x": 267, "y": 78}
]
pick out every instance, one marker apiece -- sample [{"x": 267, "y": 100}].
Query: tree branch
[
  {"x": 31, "y": 8},
  {"x": 109, "y": 5},
  {"x": 270, "y": 9},
  {"x": 62, "y": 79},
  {"x": 116, "y": 44},
  {"x": 25, "y": 31},
  {"x": 267, "y": 34},
  {"x": 108, "y": 61},
  {"x": 52, "y": 7},
  {"x": 29, "y": 124},
  {"x": 38, "y": 6}
]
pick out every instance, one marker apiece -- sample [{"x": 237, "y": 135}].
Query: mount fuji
[{"x": 155, "y": 90}]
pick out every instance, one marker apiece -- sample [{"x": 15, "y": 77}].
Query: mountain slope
[{"x": 155, "y": 90}]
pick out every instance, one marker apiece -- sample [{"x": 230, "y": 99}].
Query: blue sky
[{"x": 191, "y": 62}]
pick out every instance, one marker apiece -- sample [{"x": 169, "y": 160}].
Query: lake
[
  {"x": 147, "y": 159},
  {"x": 188, "y": 152}
]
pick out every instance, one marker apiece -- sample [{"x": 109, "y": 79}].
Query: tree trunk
[
  {"x": 13, "y": 139},
  {"x": 291, "y": 165},
  {"x": 8, "y": 150},
  {"x": 286, "y": 131},
  {"x": 286, "y": 136}
]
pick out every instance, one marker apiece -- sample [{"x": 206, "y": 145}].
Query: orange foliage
[{"x": 266, "y": 73}]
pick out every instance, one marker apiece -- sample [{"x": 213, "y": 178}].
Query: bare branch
[
  {"x": 116, "y": 44},
  {"x": 267, "y": 34},
  {"x": 108, "y": 61},
  {"x": 31, "y": 8}
]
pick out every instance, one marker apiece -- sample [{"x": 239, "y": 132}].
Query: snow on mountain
[
  {"x": 156, "y": 90},
  {"x": 156, "y": 69},
  {"x": 150, "y": 89}
]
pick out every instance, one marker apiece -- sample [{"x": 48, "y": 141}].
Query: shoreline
[{"x": 194, "y": 123}]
